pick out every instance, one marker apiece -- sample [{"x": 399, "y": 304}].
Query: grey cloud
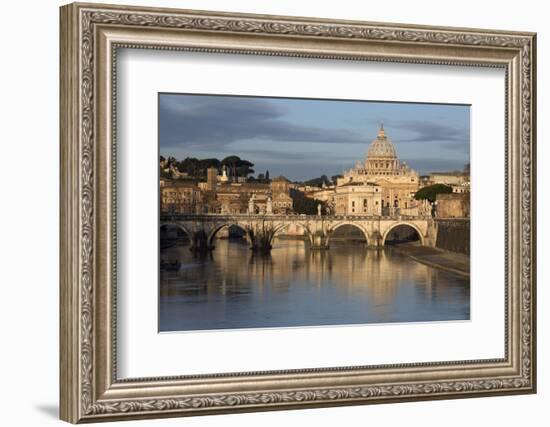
[
  {"x": 213, "y": 123},
  {"x": 426, "y": 166},
  {"x": 297, "y": 156},
  {"x": 430, "y": 131}
]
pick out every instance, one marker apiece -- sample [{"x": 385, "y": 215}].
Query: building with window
[
  {"x": 180, "y": 197},
  {"x": 397, "y": 183},
  {"x": 282, "y": 202},
  {"x": 358, "y": 198}
]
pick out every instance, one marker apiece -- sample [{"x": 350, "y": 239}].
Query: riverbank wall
[
  {"x": 453, "y": 235},
  {"x": 437, "y": 258}
]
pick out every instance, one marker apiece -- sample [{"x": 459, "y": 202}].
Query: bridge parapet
[{"x": 295, "y": 217}]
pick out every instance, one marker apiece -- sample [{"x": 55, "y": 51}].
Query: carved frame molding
[{"x": 90, "y": 36}]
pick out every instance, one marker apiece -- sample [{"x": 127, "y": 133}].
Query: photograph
[{"x": 296, "y": 212}]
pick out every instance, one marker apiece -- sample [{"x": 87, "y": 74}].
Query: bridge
[{"x": 261, "y": 230}]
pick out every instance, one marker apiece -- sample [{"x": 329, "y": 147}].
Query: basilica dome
[{"x": 381, "y": 147}]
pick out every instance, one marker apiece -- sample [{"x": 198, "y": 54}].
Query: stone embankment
[
  {"x": 453, "y": 235},
  {"x": 438, "y": 258}
]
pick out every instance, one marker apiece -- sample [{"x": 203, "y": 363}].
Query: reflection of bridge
[{"x": 260, "y": 230}]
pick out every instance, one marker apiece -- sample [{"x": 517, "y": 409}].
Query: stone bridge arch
[
  {"x": 282, "y": 227},
  {"x": 182, "y": 227},
  {"x": 215, "y": 228},
  {"x": 421, "y": 234},
  {"x": 354, "y": 224}
]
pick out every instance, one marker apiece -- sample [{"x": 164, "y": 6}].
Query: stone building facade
[
  {"x": 218, "y": 195},
  {"x": 282, "y": 202},
  {"x": 357, "y": 198},
  {"x": 395, "y": 180},
  {"x": 180, "y": 197},
  {"x": 453, "y": 205}
]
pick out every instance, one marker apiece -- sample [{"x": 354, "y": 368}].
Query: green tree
[
  {"x": 191, "y": 166},
  {"x": 231, "y": 162},
  {"x": 431, "y": 191},
  {"x": 208, "y": 163},
  {"x": 318, "y": 182},
  {"x": 305, "y": 205},
  {"x": 171, "y": 160},
  {"x": 164, "y": 174},
  {"x": 244, "y": 168}
]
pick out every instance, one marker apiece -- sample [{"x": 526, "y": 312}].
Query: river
[{"x": 233, "y": 287}]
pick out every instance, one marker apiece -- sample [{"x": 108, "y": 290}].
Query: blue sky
[{"x": 305, "y": 138}]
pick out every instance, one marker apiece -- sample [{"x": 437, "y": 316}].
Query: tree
[
  {"x": 335, "y": 178},
  {"x": 170, "y": 161},
  {"x": 267, "y": 175},
  {"x": 204, "y": 164},
  {"x": 190, "y": 166},
  {"x": 318, "y": 182},
  {"x": 305, "y": 205},
  {"x": 231, "y": 163},
  {"x": 244, "y": 168},
  {"x": 430, "y": 192},
  {"x": 196, "y": 168},
  {"x": 164, "y": 174}
]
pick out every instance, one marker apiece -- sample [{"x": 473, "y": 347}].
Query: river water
[{"x": 232, "y": 287}]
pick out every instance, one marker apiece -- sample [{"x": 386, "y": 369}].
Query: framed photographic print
[{"x": 265, "y": 212}]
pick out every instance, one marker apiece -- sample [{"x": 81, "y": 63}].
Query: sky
[{"x": 305, "y": 138}]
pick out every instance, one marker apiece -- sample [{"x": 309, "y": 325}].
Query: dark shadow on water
[
  {"x": 50, "y": 410},
  {"x": 262, "y": 256},
  {"x": 202, "y": 255}
]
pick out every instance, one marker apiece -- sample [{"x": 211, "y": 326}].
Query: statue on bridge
[{"x": 251, "y": 207}]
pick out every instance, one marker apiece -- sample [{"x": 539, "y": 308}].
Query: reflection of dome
[{"x": 381, "y": 147}]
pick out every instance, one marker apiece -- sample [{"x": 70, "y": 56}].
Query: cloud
[
  {"x": 213, "y": 122},
  {"x": 431, "y": 131},
  {"x": 263, "y": 131},
  {"x": 297, "y": 156},
  {"x": 426, "y": 166}
]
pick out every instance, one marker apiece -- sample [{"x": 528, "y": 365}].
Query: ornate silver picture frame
[{"x": 91, "y": 36}]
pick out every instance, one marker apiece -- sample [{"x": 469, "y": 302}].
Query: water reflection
[{"x": 233, "y": 287}]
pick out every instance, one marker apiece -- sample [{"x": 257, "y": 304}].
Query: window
[
  {"x": 364, "y": 203},
  {"x": 353, "y": 203}
]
